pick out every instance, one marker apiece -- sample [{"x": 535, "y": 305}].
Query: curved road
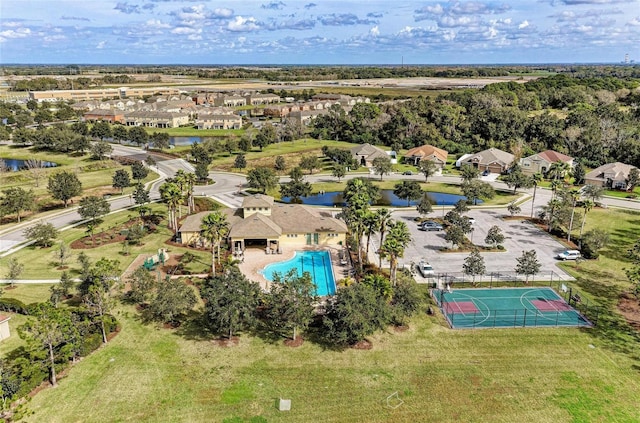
[{"x": 226, "y": 190}]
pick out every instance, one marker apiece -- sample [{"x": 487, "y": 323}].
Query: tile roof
[
  {"x": 617, "y": 170},
  {"x": 553, "y": 156},
  {"x": 257, "y": 200},
  {"x": 492, "y": 155}
]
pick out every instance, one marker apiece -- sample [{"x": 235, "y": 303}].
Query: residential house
[
  {"x": 304, "y": 117},
  {"x": 112, "y": 116},
  {"x": 365, "y": 154},
  {"x": 541, "y": 162},
  {"x": 493, "y": 160},
  {"x": 256, "y": 99},
  {"x": 261, "y": 222},
  {"x": 611, "y": 175},
  {"x": 156, "y": 119},
  {"x": 230, "y": 100},
  {"x": 4, "y": 327},
  {"x": 216, "y": 121},
  {"x": 426, "y": 152}
]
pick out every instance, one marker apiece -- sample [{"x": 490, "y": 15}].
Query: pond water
[
  {"x": 179, "y": 141},
  {"x": 15, "y": 165},
  {"x": 387, "y": 198}
]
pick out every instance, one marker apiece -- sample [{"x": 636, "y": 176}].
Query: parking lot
[{"x": 519, "y": 236}]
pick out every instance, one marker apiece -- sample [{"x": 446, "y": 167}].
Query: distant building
[
  {"x": 493, "y": 160},
  {"x": 541, "y": 162},
  {"x": 365, "y": 154},
  {"x": 216, "y": 121},
  {"x": 611, "y": 175},
  {"x": 102, "y": 94},
  {"x": 426, "y": 152}
]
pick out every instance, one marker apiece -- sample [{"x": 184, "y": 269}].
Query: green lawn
[{"x": 149, "y": 374}]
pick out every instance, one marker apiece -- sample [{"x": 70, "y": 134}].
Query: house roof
[
  {"x": 4, "y": 318},
  {"x": 552, "y": 156},
  {"x": 367, "y": 150},
  {"x": 427, "y": 151},
  {"x": 255, "y": 226},
  {"x": 491, "y": 155},
  {"x": 285, "y": 218},
  {"x": 296, "y": 218},
  {"x": 616, "y": 171},
  {"x": 257, "y": 200}
]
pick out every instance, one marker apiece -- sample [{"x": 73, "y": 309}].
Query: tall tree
[
  {"x": 528, "y": 264},
  {"x": 64, "y": 186},
  {"x": 297, "y": 187},
  {"x": 48, "y": 328},
  {"x": 41, "y": 234},
  {"x": 338, "y": 171},
  {"x": 290, "y": 303},
  {"x": 99, "y": 303},
  {"x": 309, "y": 162},
  {"x": 172, "y": 196},
  {"x": 16, "y": 200},
  {"x": 468, "y": 173},
  {"x": 262, "y": 178},
  {"x": 138, "y": 135},
  {"x": 382, "y": 166},
  {"x": 142, "y": 283},
  {"x": 517, "y": 179},
  {"x": 267, "y": 135},
  {"x": 140, "y": 194},
  {"x": 240, "y": 161},
  {"x": 93, "y": 208},
  {"x": 160, "y": 140},
  {"x": 280, "y": 164},
  {"x": 121, "y": 180},
  {"x": 476, "y": 189},
  {"x": 14, "y": 270},
  {"x": 139, "y": 171},
  {"x": 425, "y": 206},
  {"x": 100, "y": 149},
  {"x": 634, "y": 179},
  {"x": 408, "y": 190},
  {"x": 230, "y": 302},
  {"x": 36, "y": 169},
  {"x": 593, "y": 192},
  {"x": 383, "y": 220},
  {"x": 354, "y": 313},
  {"x": 474, "y": 265},
  {"x": 172, "y": 300},
  {"x": 101, "y": 130},
  {"x": 394, "y": 245},
  {"x": 427, "y": 168},
  {"x": 494, "y": 236},
  {"x": 535, "y": 180},
  {"x": 214, "y": 228}
]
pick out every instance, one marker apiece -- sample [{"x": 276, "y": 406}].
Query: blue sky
[{"x": 318, "y": 32}]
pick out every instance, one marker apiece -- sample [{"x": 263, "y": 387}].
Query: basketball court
[{"x": 506, "y": 307}]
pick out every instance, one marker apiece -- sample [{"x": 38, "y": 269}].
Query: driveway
[{"x": 519, "y": 236}]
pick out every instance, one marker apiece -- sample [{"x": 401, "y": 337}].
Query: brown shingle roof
[
  {"x": 492, "y": 155},
  {"x": 296, "y": 218},
  {"x": 255, "y": 226},
  {"x": 426, "y": 151},
  {"x": 257, "y": 200},
  {"x": 553, "y": 156}
]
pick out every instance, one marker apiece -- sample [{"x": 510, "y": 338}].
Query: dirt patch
[
  {"x": 227, "y": 342},
  {"x": 171, "y": 325},
  {"x": 362, "y": 345},
  {"x": 629, "y": 307},
  {"x": 401, "y": 328},
  {"x": 294, "y": 342}
]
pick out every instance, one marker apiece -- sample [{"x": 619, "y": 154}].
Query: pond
[
  {"x": 387, "y": 198},
  {"x": 180, "y": 141},
  {"x": 15, "y": 165}
]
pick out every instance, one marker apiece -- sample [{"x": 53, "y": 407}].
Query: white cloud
[
  {"x": 523, "y": 25},
  {"x": 155, "y": 23},
  {"x": 101, "y": 45},
  {"x": 223, "y": 12},
  {"x": 375, "y": 31},
  {"x": 240, "y": 24},
  {"x": 18, "y": 33},
  {"x": 634, "y": 22}
]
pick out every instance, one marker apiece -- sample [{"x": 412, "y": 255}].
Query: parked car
[
  {"x": 569, "y": 255},
  {"x": 486, "y": 172},
  {"x": 471, "y": 220},
  {"x": 425, "y": 269},
  {"x": 407, "y": 172},
  {"x": 430, "y": 225}
]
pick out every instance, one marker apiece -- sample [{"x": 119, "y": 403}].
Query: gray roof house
[
  {"x": 610, "y": 175},
  {"x": 493, "y": 160}
]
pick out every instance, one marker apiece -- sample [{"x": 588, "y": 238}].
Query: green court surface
[{"x": 506, "y": 307}]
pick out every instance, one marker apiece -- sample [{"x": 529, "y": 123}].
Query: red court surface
[
  {"x": 462, "y": 307},
  {"x": 551, "y": 305}
]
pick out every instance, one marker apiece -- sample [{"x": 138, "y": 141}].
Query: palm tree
[
  {"x": 558, "y": 170},
  {"x": 574, "y": 194},
  {"x": 214, "y": 228},
  {"x": 383, "y": 218},
  {"x": 535, "y": 179},
  {"x": 171, "y": 194},
  {"x": 397, "y": 240},
  {"x": 587, "y": 205},
  {"x": 190, "y": 180},
  {"x": 370, "y": 227},
  {"x": 181, "y": 182}
]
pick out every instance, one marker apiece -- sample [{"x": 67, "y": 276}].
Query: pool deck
[{"x": 255, "y": 259}]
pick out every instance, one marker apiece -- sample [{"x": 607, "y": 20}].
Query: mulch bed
[
  {"x": 294, "y": 342},
  {"x": 111, "y": 236},
  {"x": 227, "y": 342},
  {"x": 629, "y": 307},
  {"x": 362, "y": 345}
]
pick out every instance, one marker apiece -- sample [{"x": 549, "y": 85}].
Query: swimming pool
[{"x": 317, "y": 263}]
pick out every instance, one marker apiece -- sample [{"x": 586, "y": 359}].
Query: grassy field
[{"x": 442, "y": 375}]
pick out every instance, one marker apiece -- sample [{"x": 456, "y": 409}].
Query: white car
[
  {"x": 569, "y": 255},
  {"x": 425, "y": 269}
]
